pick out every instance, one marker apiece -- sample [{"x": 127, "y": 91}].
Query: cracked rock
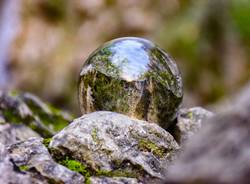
[
  {"x": 29, "y": 110},
  {"x": 114, "y": 180},
  {"x": 8, "y": 174},
  {"x": 189, "y": 122},
  {"x": 32, "y": 157},
  {"x": 11, "y": 133},
  {"x": 115, "y": 144}
]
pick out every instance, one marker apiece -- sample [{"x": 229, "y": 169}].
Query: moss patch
[
  {"x": 152, "y": 147},
  {"x": 87, "y": 172},
  {"x": 54, "y": 120},
  {"x": 10, "y": 116},
  {"x": 190, "y": 115},
  {"x": 23, "y": 168},
  {"x": 46, "y": 142},
  {"x": 94, "y": 136},
  {"x": 76, "y": 166}
]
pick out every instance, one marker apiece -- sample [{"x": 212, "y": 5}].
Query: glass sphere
[{"x": 134, "y": 77}]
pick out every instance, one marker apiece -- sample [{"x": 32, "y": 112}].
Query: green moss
[
  {"x": 239, "y": 11},
  {"x": 155, "y": 133},
  {"x": 23, "y": 168},
  {"x": 190, "y": 115},
  {"x": 108, "y": 93},
  {"x": 46, "y": 142},
  {"x": 54, "y": 120},
  {"x": 94, "y": 135},
  {"x": 87, "y": 172},
  {"x": 11, "y": 117},
  {"x": 152, "y": 147},
  {"x": 76, "y": 166},
  {"x": 13, "y": 93}
]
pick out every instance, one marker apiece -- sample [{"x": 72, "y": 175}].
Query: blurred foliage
[
  {"x": 241, "y": 17},
  {"x": 206, "y": 42},
  {"x": 54, "y": 10},
  {"x": 208, "y": 39}
]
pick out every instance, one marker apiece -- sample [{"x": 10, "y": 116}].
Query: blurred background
[{"x": 43, "y": 43}]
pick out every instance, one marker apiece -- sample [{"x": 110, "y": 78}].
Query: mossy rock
[
  {"x": 32, "y": 158},
  {"x": 27, "y": 109},
  {"x": 114, "y": 145}
]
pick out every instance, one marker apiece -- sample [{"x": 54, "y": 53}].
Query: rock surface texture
[
  {"x": 114, "y": 180},
  {"x": 131, "y": 76},
  {"x": 29, "y": 110},
  {"x": 113, "y": 144},
  {"x": 33, "y": 158},
  {"x": 189, "y": 122},
  {"x": 8, "y": 174},
  {"x": 220, "y": 152},
  {"x": 10, "y": 133}
]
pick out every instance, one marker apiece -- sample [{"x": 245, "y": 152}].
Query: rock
[
  {"x": 189, "y": 122},
  {"x": 32, "y": 156},
  {"x": 220, "y": 151},
  {"x": 2, "y": 120},
  {"x": 134, "y": 77},
  {"x": 30, "y": 110},
  {"x": 114, "y": 180},
  {"x": 10, "y": 133},
  {"x": 112, "y": 144},
  {"x": 8, "y": 173}
]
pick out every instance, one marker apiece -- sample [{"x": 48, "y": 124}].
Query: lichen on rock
[
  {"x": 27, "y": 109},
  {"x": 8, "y": 173},
  {"x": 31, "y": 156},
  {"x": 112, "y": 144}
]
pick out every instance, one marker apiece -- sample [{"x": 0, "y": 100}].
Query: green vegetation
[
  {"x": 53, "y": 119},
  {"x": 77, "y": 167},
  {"x": 46, "y": 142},
  {"x": 108, "y": 93},
  {"x": 240, "y": 15},
  {"x": 29, "y": 110},
  {"x": 23, "y": 168},
  {"x": 190, "y": 115},
  {"x": 94, "y": 135},
  {"x": 146, "y": 145},
  {"x": 10, "y": 116},
  {"x": 87, "y": 172}
]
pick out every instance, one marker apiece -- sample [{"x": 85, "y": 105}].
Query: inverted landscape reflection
[
  {"x": 127, "y": 58},
  {"x": 131, "y": 57}
]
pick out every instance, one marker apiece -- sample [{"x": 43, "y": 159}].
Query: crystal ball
[{"x": 134, "y": 77}]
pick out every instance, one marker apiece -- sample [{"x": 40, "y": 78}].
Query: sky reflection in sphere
[{"x": 131, "y": 57}]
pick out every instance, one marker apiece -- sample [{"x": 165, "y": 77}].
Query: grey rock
[
  {"x": 114, "y": 180},
  {"x": 10, "y": 133},
  {"x": 30, "y": 110},
  {"x": 2, "y": 120},
  {"x": 111, "y": 142},
  {"x": 33, "y": 155},
  {"x": 189, "y": 122},
  {"x": 220, "y": 152},
  {"x": 8, "y": 174}
]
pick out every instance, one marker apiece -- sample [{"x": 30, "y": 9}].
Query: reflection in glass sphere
[{"x": 134, "y": 77}]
